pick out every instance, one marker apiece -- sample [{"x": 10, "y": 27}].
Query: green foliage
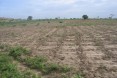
[
  {"x": 85, "y": 17},
  {"x": 35, "y": 62},
  {"x": 41, "y": 64},
  {"x": 9, "y": 70},
  {"x": 29, "y": 74},
  {"x": 56, "y": 68},
  {"x": 29, "y": 18},
  {"x": 65, "y": 69},
  {"x": 18, "y": 51},
  {"x": 52, "y": 67},
  {"x": 4, "y": 59},
  {"x": 77, "y": 76}
]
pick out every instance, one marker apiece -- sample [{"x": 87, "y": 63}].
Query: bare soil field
[{"x": 90, "y": 50}]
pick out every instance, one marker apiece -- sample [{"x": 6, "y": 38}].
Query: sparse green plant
[
  {"x": 9, "y": 70},
  {"x": 29, "y": 74},
  {"x": 35, "y": 62},
  {"x": 64, "y": 76},
  {"x": 77, "y": 76},
  {"x": 53, "y": 67},
  {"x": 65, "y": 68},
  {"x": 18, "y": 51},
  {"x": 41, "y": 64},
  {"x": 2, "y": 46}
]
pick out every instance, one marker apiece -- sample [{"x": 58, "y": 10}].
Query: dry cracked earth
[{"x": 91, "y": 50}]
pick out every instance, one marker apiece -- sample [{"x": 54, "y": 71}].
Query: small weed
[
  {"x": 2, "y": 46},
  {"x": 65, "y": 76},
  {"x": 51, "y": 67},
  {"x": 65, "y": 69},
  {"x": 77, "y": 76}
]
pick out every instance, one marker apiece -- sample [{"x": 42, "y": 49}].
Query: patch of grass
[
  {"x": 57, "y": 68},
  {"x": 52, "y": 67},
  {"x": 38, "y": 62},
  {"x": 18, "y": 51},
  {"x": 35, "y": 62},
  {"x": 29, "y": 74},
  {"x": 65, "y": 69},
  {"x": 42, "y": 65},
  {"x": 9, "y": 70}
]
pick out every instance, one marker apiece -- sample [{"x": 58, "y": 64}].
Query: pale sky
[{"x": 57, "y": 8}]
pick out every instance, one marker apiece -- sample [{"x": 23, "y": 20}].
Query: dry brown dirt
[{"x": 91, "y": 50}]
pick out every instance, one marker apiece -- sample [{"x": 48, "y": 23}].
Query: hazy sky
[{"x": 57, "y": 8}]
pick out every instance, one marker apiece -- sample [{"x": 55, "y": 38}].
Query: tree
[
  {"x": 111, "y": 16},
  {"x": 85, "y": 17},
  {"x": 29, "y": 18}
]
